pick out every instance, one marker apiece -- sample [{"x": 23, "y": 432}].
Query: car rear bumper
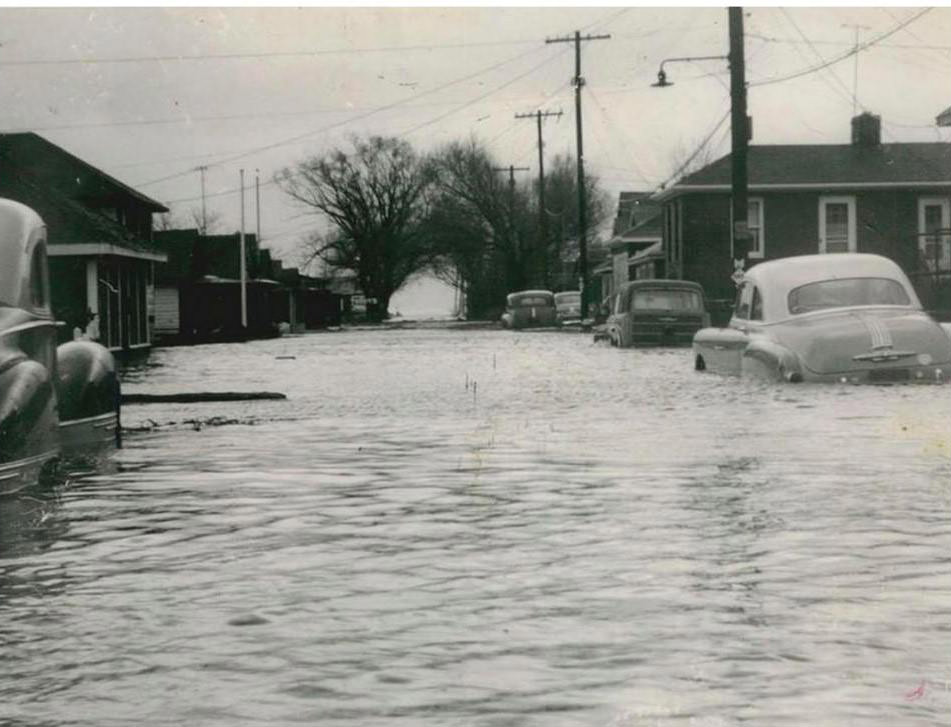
[{"x": 932, "y": 374}]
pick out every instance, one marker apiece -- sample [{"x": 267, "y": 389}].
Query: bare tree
[
  {"x": 688, "y": 158},
  {"x": 561, "y": 201},
  {"x": 165, "y": 221},
  {"x": 481, "y": 225},
  {"x": 375, "y": 198},
  {"x": 207, "y": 223}
]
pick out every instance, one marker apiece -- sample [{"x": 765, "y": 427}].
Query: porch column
[{"x": 92, "y": 285}]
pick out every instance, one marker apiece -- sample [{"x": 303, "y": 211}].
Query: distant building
[
  {"x": 866, "y": 196},
  {"x": 99, "y": 231},
  {"x": 198, "y": 291},
  {"x": 637, "y": 227}
]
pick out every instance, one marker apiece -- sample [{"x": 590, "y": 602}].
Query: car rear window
[
  {"x": 845, "y": 292},
  {"x": 572, "y": 299},
  {"x": 666, "y": 299},
  {"x": 533, "y": 300}
]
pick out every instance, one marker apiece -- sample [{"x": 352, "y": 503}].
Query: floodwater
[{"x": 487, "y": 528}]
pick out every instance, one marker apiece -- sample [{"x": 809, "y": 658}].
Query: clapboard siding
[{"x": 166, "y": 310}]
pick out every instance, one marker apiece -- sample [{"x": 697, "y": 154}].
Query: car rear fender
[{"x": 764, "y": 358}]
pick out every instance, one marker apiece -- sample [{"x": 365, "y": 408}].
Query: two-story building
[
  {"x": 99, "y": 238},
  {"x": 892, "y": 199},
  {"x": 635, "y": 242}
]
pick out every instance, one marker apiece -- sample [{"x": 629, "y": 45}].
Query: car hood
[{"x": 849, "y": 340}]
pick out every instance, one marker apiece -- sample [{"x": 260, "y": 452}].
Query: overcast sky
[{"x": 149, "y": 94}]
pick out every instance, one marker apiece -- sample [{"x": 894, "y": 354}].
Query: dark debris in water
[
  {"x": 151, "y": 425},
  {"x": 251, "y": 619}
]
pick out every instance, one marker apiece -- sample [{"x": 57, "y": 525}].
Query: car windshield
[
  {"x": 847, "y": 292},
  {"x": 666, "y": 299},
  {"x": 532, "y": 300}
]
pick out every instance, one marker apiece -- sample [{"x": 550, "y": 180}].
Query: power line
[
  {"x": 405, "y": 133},
  {"x": 198, "y": 119},
  {"x": 700, "y": 147},
  {"x": 484, "y": 95},
  {"x": 258, "y": 55},
  {"x": 841, "y": 85},
  {"x": 842, "y": 56},
  {"x": 359, "y": 117},
  {"x": 628, "y": 148},
  {"x": 280, "y": 54},
  {"x": 815, "y": 41}
]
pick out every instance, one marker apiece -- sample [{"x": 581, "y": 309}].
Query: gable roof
[
  {"x": 633, "y": 205},
  {"x": 31, "y": 145},
  {"x": 67, "y": 222},
  {"x": 796, "y": 165}
]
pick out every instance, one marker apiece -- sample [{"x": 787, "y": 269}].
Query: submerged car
[
  {"x": 51, "y": 398},
  {"x": 529, "y": 309},
  {"x": 568, "y": 308},
  {"x": 841, "y": 317},
  {"x": 657, "y": 313}
]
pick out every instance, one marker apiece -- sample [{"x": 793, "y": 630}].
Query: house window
[
  {"x": 673, "y": 238},
  {"x": 754, "y": 219},
  {"x": 934, "y": 244},
  {"x": 837, "y": 224}
]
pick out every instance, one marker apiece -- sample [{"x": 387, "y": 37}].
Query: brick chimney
[{"x": 867, "y": 130}]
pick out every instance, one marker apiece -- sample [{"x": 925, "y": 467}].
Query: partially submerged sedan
[
  {"x": 656, "y": 313},
  {"x": 529, "y": 309},
  {"x": 843, "y": 317}
]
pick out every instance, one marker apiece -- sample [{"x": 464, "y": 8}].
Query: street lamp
[
  {"x": 740, "y": 132},
  {"x": 662, "y": 81}
]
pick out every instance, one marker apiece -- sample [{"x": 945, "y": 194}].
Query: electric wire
[
  {"x": 405, "y": 133},
  {"x": 359, "y": 117},
  {"x": 841, "y": 57}
]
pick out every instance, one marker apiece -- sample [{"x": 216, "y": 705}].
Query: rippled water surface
[{"x": 485, "y": 528}]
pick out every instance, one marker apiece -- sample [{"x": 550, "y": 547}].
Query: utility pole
[
  {"x": 740, "y": 131},
  {"x": 257, "y": 208},
  {"x": 582, "y": 201},
  {"x": 204, "y": 218},
  {"x": 855, "y": 69},
  {"x": 244, "y": 284},
  {"x": 511, "y": 169},
  {"x": 542, "y": 215}
]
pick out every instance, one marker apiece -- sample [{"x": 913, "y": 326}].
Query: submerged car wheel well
[{"x": 699, "y": 364}]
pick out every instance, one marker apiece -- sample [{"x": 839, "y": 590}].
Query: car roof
[
  {"x": 525, "y": 293},
  {"x": 662, "y": 283},
  {"x": 19, "y": 225},
  {"x": 776, "y": 278}
]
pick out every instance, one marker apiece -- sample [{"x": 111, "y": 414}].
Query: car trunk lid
[
  {"x": 845, "y": 341},
  {"x": 665, "y": 327}
]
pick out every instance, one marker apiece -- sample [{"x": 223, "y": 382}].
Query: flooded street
[{"x": 487, "y": 528}]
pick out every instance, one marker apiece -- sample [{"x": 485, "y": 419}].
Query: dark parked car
[
  {"x": 657, "y": 313},
  {"x": 529, "y": 309},
  {"x": 568, "y": 307}
]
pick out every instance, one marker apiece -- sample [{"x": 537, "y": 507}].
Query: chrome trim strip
[
  {"x": 99, "y": 420},
  {"x": 27, "y": 326}
]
